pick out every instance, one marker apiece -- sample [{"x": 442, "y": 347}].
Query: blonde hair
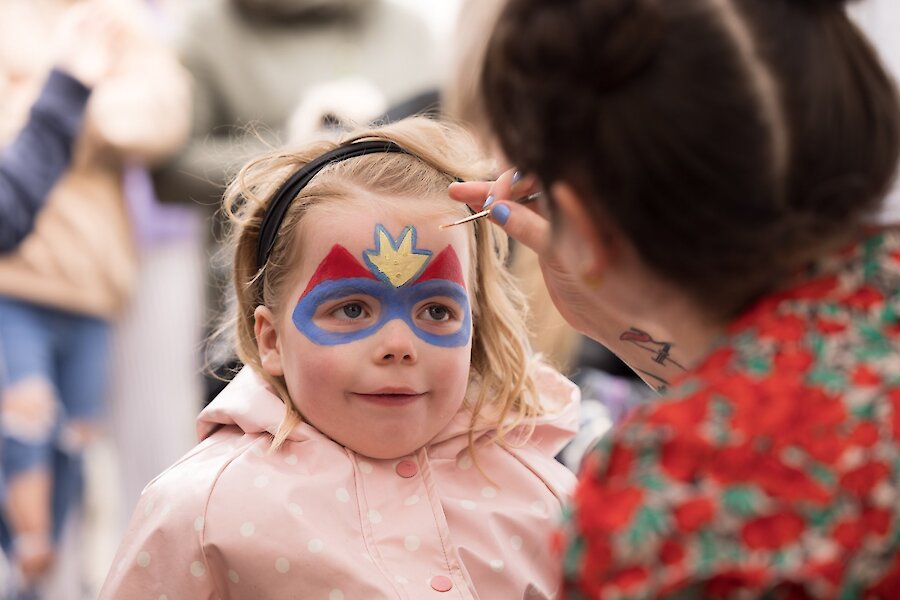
[
  {"x": 551, "y": 335},
  {"x": 440, "y": 152}
]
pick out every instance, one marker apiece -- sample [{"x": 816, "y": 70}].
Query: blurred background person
[
  {"x": 283, "y": 69},
  {"x": 68, "y": 279},
  {"x": 36, "y": 158}
]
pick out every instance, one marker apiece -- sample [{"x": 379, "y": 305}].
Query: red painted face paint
[
  {"x": 339, "y": 264},
  {"x": 444, "y": 266}
]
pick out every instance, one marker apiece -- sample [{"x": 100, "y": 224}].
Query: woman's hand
[
  {"x": 89, "y": 40},
  {"x": 527, "y": 225},
  {"x": 650, "y": 358}
]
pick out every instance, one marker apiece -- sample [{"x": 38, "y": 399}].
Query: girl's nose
[{"x": 397, "y": 344}]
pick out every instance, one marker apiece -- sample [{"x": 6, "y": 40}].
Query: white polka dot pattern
[
  {"x": 282, "y": 565},
  {"x": 198, "y": 569}
]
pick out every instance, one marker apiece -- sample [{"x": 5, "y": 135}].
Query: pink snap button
[
  {"x": 439, "y": 583},
  {"x": 407, "y": 469}
]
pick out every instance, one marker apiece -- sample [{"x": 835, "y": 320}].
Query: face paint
[
  {"x": 399, "y": 278},
  {"x": 396, "y": 263}
]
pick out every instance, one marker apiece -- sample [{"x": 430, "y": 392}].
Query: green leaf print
[
  {"x": 646, "y": 522},
  {"x": 741, "y": 500}
]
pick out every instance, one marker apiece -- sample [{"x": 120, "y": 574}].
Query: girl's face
[{"x": 374, "y": 337}]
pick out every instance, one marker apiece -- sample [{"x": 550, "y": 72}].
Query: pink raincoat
[{"x": 316, "y": 520}]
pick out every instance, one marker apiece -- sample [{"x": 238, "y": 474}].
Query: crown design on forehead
[{"x": 396, "y": 261}]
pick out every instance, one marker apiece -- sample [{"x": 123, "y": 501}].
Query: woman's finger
[
  {"x": 523, "y": 225},
  {"x": 472, "y": 193}
]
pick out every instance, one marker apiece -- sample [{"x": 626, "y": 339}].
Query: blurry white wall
[
  {"x": 880, "y": 19},
  {"x": 441, "y": 18}
]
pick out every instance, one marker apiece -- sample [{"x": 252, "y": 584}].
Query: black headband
[{"x": 280, "y": 203}]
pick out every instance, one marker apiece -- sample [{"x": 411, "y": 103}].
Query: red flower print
[
  {"x": 684, "y": 457},
  {"x": 865, "y": 434},
  {"x": 864, "y": 298},
  {"x": 629, "y": 578},
  {"x": 621, "y": 460},
  {"x": 740, "y": 389},
  {"x": 787, "y": 328},
  {"x": 598, "y": 559},
  {"x": 889, "y": 586},
  {"x": 876, "y": 521},
  {"x": 734, "y": 464},
  {"x": 894, "y": 396},
  {"x": 787, "y": 483},
  {"x": 716, "y": 362},
  {"x": 682, "y": 415},
  {"x": 814, "y": 289},
  {"x": 831, "y": 571},
  {"x": 848, "y": 534},
  {"x": 763, "y": 408},
  {"x": 862, "y": 480},
  {"x": 761, "y": 310},
  {"x": 694, "y": 514},
  {"x": 821, "y": 444},
  {"x": 671, "y": 553},
  {"x": 727, "y": 583},
  {"x": 828, "y": 327},
  {"x": 793, "y": 360},
  {"x": 773, "y": 531},
  {"x": 863, "y": 375},
  {"x": 744, "y": 464},
  {"x": 602, "y": 510},
  {"x": 818, "y": 426},
  {"x": 778, "y": 409}
]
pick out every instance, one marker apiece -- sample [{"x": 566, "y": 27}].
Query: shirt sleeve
[{"x": 32, "y": 164}]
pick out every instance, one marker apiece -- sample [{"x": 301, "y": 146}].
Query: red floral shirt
[{"x": 773, "y": 469}]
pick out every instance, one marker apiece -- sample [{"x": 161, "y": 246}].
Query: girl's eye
[
  {"x": 437, "y": 312},
  {"x": 351, "y": 310}
]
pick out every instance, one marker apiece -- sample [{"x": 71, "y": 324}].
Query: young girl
[{"x": 390, "y": 435}]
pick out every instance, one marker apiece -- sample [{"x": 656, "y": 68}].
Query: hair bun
[
  {"x": 618, "y": 39},
  {"x": 628, "y": 39}
]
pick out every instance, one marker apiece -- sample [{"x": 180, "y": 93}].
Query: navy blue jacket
[{"x": 32, "y": 164}]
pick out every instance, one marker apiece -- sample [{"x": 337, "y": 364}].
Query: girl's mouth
[{"x": 391, "y": 397}]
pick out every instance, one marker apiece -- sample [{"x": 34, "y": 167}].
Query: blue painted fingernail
[
  {"x": 500, "y": 213},
  {"x": 517, "y": 177},
  {"x": 487, "y": 202}
]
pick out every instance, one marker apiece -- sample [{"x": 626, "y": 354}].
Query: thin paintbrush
[{"x": 480, "y": 215}]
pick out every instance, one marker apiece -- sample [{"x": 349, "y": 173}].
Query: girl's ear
[
  {"x": 585, "y": 247},
  {"x": 267, "y": 341}
]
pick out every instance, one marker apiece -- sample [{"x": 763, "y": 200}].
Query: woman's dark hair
[{"x": 731, "y": 141}]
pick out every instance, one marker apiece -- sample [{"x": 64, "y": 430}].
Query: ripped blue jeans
[{"x": 53, "y": 371}]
